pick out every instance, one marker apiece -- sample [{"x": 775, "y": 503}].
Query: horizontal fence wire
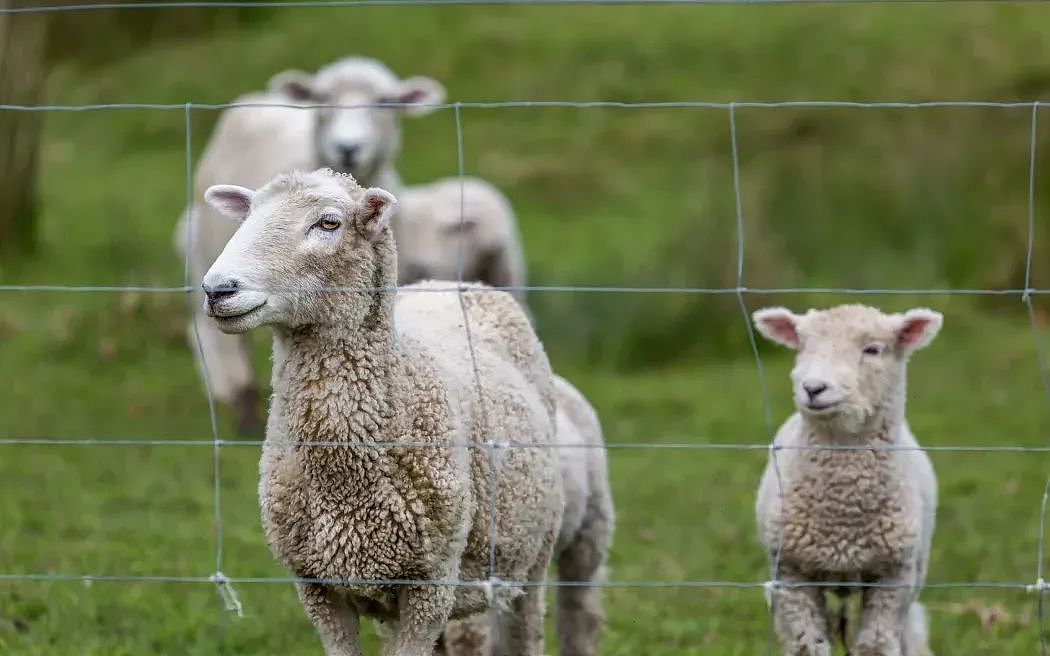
[
  {"x": 460, "y": 583},
  {"x": 451, "y": 288},
  {"x": 331, "y": 4},
  {"x": 548, "y": 104},
  {"x": 512, "y": 444}
]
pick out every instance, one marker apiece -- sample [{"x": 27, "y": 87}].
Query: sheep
[
  {"x": 583, "y": 539},
  {"x": 250, "y": 145},
  {"x": 435, "y": 230},
  {"x": 851, "y": 514},
  {"x": 360, "y": 363}
]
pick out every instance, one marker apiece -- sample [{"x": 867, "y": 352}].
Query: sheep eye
[
  {"x": 872, "y": 349},
  {"x": 329, "y": 223}
]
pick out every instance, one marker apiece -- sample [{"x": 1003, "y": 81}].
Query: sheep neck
[{"x": 335, "y": 386}]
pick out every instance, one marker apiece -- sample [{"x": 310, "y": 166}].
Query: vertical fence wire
[
  {"x": 490, "y": 441},
  {"x": 767, "y": 410},
  {"x": 227, "y": 597},
  {"x": 1040, "y": 578},
  {"x": 1041, "y": 361}
]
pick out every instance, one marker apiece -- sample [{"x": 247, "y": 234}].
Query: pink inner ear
[
  {"x": 783, "y": 328},
  {"x": 375, "y": 205},
  {"x": 413, "y": 96},
  {"x": 233, "y": 203},
  {"x": 912, "y": 332}
]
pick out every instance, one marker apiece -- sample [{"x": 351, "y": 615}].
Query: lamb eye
[
  {"x": 329, "y": 223},
  {"x": 872, "y": 349}
]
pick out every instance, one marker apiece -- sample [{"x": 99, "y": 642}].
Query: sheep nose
[
  {"x": 223, "y": 290},
  {"x": 814, "y": 388},
  {"x": 348, "y": 155}
]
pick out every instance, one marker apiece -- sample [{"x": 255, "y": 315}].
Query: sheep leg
[
  {"x": 520, "y": 630},
  {"x": 916, "y": 632},
  {"x": 579, "y": 610},
  {"x": 334, "y": 618},
  {"x": 801, "y": 620},
  {"x": 882, "y": 619},
  {"x": 424, "y": 611}
]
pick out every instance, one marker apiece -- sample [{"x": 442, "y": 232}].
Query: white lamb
[
  {"x": 583, "y": 539},
  {"x": 435, "y": 229},
  {"x": 351, "y": 368},
  {"x": 848, "y": 513},
  {"x": 250, "y": 145}
]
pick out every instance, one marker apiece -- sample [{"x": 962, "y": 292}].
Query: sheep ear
[
  {"x": 297, "y": 85},
  {"x": 373, "y": 218},
  {"x": 917, "y": 328},
  {"x": 422, "y": 93},
  {"x": 778, "y": 325},
  {"x": 230, "y": 200}
]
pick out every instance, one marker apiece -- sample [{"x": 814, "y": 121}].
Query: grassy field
[{"x": 845, "y": 198}]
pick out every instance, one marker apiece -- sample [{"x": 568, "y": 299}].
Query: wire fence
[
  {"x": 334, "y": 4},
  {"x": 224, "y": 584}
]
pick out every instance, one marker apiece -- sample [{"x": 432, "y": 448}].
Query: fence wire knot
[
  {"x": 767, "y": 591},
  {"x": 489, "y": 587},
  {"x": 1039, "y": 586},
  {"x": 228, "y": 594}
]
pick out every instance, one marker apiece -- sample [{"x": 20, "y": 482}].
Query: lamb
[
  {"x": 359, "y": 363},
  {"x": 583, "y": 540},
  {"x": 849, "y": 513},
  {"x": 435, "y": 230},
  {"x": 250, "y": 145}
]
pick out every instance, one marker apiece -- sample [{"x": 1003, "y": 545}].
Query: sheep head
[
  {"x": 850, "y": 369},
  {"x": 301, "y": 234},
  {"x": 357, "y": 129}
]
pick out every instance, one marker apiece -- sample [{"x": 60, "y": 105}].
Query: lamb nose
[
  {"x": 814, "y": 388},
  {"x": 228, "y": 288}
]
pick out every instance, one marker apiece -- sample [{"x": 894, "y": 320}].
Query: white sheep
[
  {"x": 583, "y": 539},
  {"x": 250, "y": 145},
  {"x": 848, "y": 513},
  {"x": 435, "y": 230},
  {"x": 361, "y": 364}
]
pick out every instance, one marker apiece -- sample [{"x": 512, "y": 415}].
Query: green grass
[{"x": 925, "y": 198}]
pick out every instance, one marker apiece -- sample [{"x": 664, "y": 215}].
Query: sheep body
[
  {"x": 379, "y": 367},
  {"x": 583, "y": 541},
  {"x": 849, "y": 515}
]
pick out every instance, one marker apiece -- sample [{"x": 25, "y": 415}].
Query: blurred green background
[{"x": 853, "y": 198}]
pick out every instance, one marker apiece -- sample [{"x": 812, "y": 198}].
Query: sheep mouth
[
  {"x": 228, "y": 316},
  {"x": 822, "y": 408}
]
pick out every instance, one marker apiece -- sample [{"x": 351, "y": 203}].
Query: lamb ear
[
  {"x": 230, "y": 200},
  {"x": 297, "y": 85},
  {"x": 373, "y": 218},
  {"x": 917, "y": 328},
  {"x": 778, "y": 325},
  {"x": 422, "y": 93}
]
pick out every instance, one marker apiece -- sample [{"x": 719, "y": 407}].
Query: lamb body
[
  {"x": 378, "y": 367},
  {"x": 435, "y": 229},
  {"x": 849, "y": 514},
  {"x": 583, "y": 539}
]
